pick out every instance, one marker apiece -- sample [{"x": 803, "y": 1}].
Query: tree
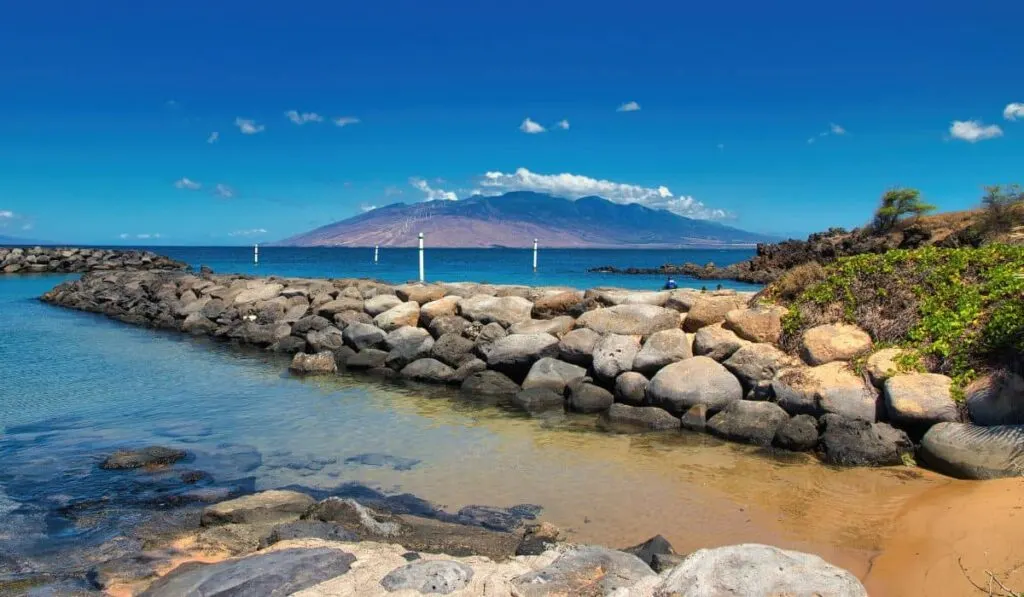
[
  {"x": 1003, "y": 208},
  {"x": 897, "y": 204}
]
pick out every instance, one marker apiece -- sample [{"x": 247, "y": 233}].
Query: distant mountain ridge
[{"x": 515, "y": 219}]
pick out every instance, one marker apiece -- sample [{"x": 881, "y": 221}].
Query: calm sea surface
[{"x": 75, "y": 387}]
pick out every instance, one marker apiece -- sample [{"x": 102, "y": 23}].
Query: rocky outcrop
[{"x": 58, "y": 260}]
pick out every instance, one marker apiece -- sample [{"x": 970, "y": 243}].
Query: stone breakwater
[
  {"x": 641, "y": 361},
  {"x": 56, "y": 260}
]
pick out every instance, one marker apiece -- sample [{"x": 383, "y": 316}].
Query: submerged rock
[
  {"x": 797, "y": 434},
  {"x": 267, "y": 506},
  {"x": 585, "y": 397},
  {"x": 748, "y": 422},
  {"x": 143, "y": 457},
  {"x": 539, "y": 399},
  {"x": 319, "y": 363},
  {"x": 489, "y": 383},
  {"x": 641, "y": 417}
]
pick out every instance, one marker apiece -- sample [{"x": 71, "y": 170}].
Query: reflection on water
[{"x": 77, "y": 387}]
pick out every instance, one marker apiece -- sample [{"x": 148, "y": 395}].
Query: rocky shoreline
[
  {"x": 60, "y": 260},
  {"x": 641, "y": 361}
]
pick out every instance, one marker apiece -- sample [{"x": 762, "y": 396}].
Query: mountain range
[{"x": 515, "y": 219}]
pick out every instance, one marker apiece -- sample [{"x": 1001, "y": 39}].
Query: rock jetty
[
  {"x": 706, "y": 359},
  {"x": 57, "y": 260}
]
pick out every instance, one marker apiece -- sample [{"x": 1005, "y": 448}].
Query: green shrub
[
  {"x": 1002, "y": 209},
  {"x": 897, "y": 204}
]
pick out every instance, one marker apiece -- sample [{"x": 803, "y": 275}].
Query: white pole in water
[
  {"x": 534, "y": 254},
  {"x": 256, "y": 253},
  {"x": 376, "y": 252},
  {"x": 422, "y": 277}
]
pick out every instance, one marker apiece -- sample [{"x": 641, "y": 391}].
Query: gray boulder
[
  {"x": 830, "y": 388},
  {"x": 629, "y": 320},
  {"x": 197, "y": 325},
  {"x": 329, "y": 309},
  {"x": 662, "y": 348},
  {"x": 307, "y": 529},
  {"x": 272, "y": 574},
  {"x": 439, "y": 577},
  {"x": 585, "y": 397},
  {"x": 368, "y": 358},
  {"x": 760, "y": 570},
  {"x": 429, "y": 370},
  {"x": 407, "y": 344},
  {"x": 856, "y": 442},
  {"x": 695, "y": 418},
  {"x": 640, "y": 417},
  {"x": 539, "y": 399},
  {"x": 716, "y": 342},
  {"x": 584, "y": 570},
  {"x": 577, "y": 346},
  {"x": 797, "y": 434},
  {"x": 557, "y": 326},
  {"x": 996, "y": 399},
  {"x": 310, "y": 323},
  {"x": 469, "y": 368},
  {"x": 489, "y": 383},
  {"x": 552, "y": 374},
  {"x": 309, "y": 364},
  {"x": 920, "y": 400},
  {"x": 974, "y": 452},
  {"x": 748, "y": 422},
  {"x": 755, "y": 363},
  {"x": 266, "y": 506},
  {"x": 443, "y": 307},
  {"x": 398, "y": 316},
  {"x": 379, "y": 304},
  {"x": 614, "y": 354},
  {"x": 361, "y": 336},
  {"x": 515, "y": 354},
  {"x": 452, "y": 349},
  {"x": 505, "y": 310},
  {"x": 330, "y": 338},
  {"x": 698, "y": 380},
  {"x": 448, "y": 325},
  {"x": 631, "y": 388}
]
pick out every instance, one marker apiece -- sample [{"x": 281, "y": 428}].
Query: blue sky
[{"x": 106, "y": 110}]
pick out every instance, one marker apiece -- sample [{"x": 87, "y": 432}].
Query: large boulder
[
  {"x": 716, "y": 342},
  {"x": 368, "y": 358},
  {"x": 662, "y": 348},
  {"x": 640, "y": 417},
  {"x": 577, "y": 346},
  {"x": 407, "y": 344},
  {"x": 756, "y": 363},
  {"x": 264, "y": 507},
  {"x": 698, "y": 380},
  {"x": 631, "y": 388},
  {"x": 258, "y": 291},
  {"x": 616, "y": 296},
  {"x": 756, "y": 324},
  {"x": 419, "y": 293},
  {"x": 310, "y": 323},
  {"x": 974, "y": 452},
  {"x": 584, "y": 570},
  {"x": 307, "y": 529},
  {"x": 882, "y": 365},
  {"x": 505, "y": 310},
  {"x": 749, "y": 422},
  {"x": 338, "y": 305},
  {"x": 552, "y": 374},
  {"x": 919, "y": 400},
  {"x": 539, "y": 399},
  {"x": 761, "y": 570},
  {"x": 629, "y": 320},
  {"x": 398, "y": 316},
  {"x": 452, "y": 349},
  {"x": 489, "y": 383},
  {"x": 281, "y": 572},
  {"x": 797, "y": 434},
  {"x": 197, "y": 325},
  {"x": 833, "y": 342},
  {"x": 996, "y": 399},
  {"x": 361, "y": 336},
  {"x": 708, "y": 310},
  {"x": 683, "y": 299},
  {"x": 428, "y": 576},
  {"x": 557, "y": 326},
  {"x": 515, "y": 354},
  {"x": 856, "y": 442},
  {"x": 428, "y": 370},
  {"x": 443, "y": 307},
  {"x": 563, "y": 303},
  {"x": 374, "y": 306},
  {"x": 585, "y": 397},
  {"x": 614, "y": 354},
  {"x": 454, "y": 324},
  {"x": 328, "y": 339},
  {"x": 830, "y": 388},
  {"x": 314, "y": 364}
]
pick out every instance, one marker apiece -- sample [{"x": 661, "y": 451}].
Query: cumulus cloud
[
  {"x": 431, "y": 193},
  {"x": 6, "y": 214},
  {"x": 223, "y": 191},
  {"x": 1013, "y": 111},
  {"x": 213, "y": 137},
  {"x": 563, "y": 124},
  {"x": 346, "y": 120},
  {"x": 973, "y": 131},
  {"x": 248, "y": 127},
  {"x": 303, "y": 117},
  {"x": 187, "y": 184},
  {"x": 835, "y": 129},
  {"x": 628, "y": 107},
  {"x": 575, "y": 186},
  {"x": 250, "y": 232},
  {"x": 530, "y": 127}
]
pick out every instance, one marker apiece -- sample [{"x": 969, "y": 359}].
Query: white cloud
[
  {"x": 213, "y": 137},
  {"x": 250, "y": 232},
  {"x": 563, "y": 124},
  {"x": 346, "y": 120},
  {"x": 26, "y": 227},
  {"x": 365, "y": 208},
  {"x": 144, "y": 236},
  {"x": 248, "y": 127},
  {"x": 530, "y": 127},
  {"x": 6, "y": 214},
  {"x": 432, "y": 194},
  {"x": 835, "y": 129},
  {"x": 223, "y": 191},
  {"x": 124, "y": 235},
  {"x": 303, "y": 117},
  {"x": 575, "y": 186},
  {"x": 973, "y": 131},
  {"x": 628, "y": 107},
  {"x": 188, "y": 184},
  {"x": 1013, "y": 111}
]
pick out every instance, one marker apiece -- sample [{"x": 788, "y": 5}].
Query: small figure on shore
[{"x": 670, "y": 284}]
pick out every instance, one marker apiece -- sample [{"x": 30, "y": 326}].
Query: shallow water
[{"x": 77, "y": 386}]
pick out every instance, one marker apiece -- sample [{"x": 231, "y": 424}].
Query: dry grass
[{"x": 792, "y": 283}]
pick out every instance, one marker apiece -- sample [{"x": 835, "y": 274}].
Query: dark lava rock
[
  {"x": 538, "y": 538},
  {"x": 307, "y": 529},
  {"x": 489, "y": 383},
  {"x": 148, "y": 456},
  {"x": 656, "y": 545},
  {"x": 797, "y": 434},
  {"x": 498, "y": 519},
  {"x": 429, "y": 576},
  {"x": 855, "y": 442},
  {"x": 539, "y": 399},
  {"x": 262, "y": 575},
  {"x": 368, "y": 358},
  {"x": 386, "y": 460},
  {"x": 310, "y": 323},
  {"x": 585, "y": 397},
  {"x": 666, "y": 561},
  {"x": 640, "y": 417},
  {"x": 748, "y": 422}
]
